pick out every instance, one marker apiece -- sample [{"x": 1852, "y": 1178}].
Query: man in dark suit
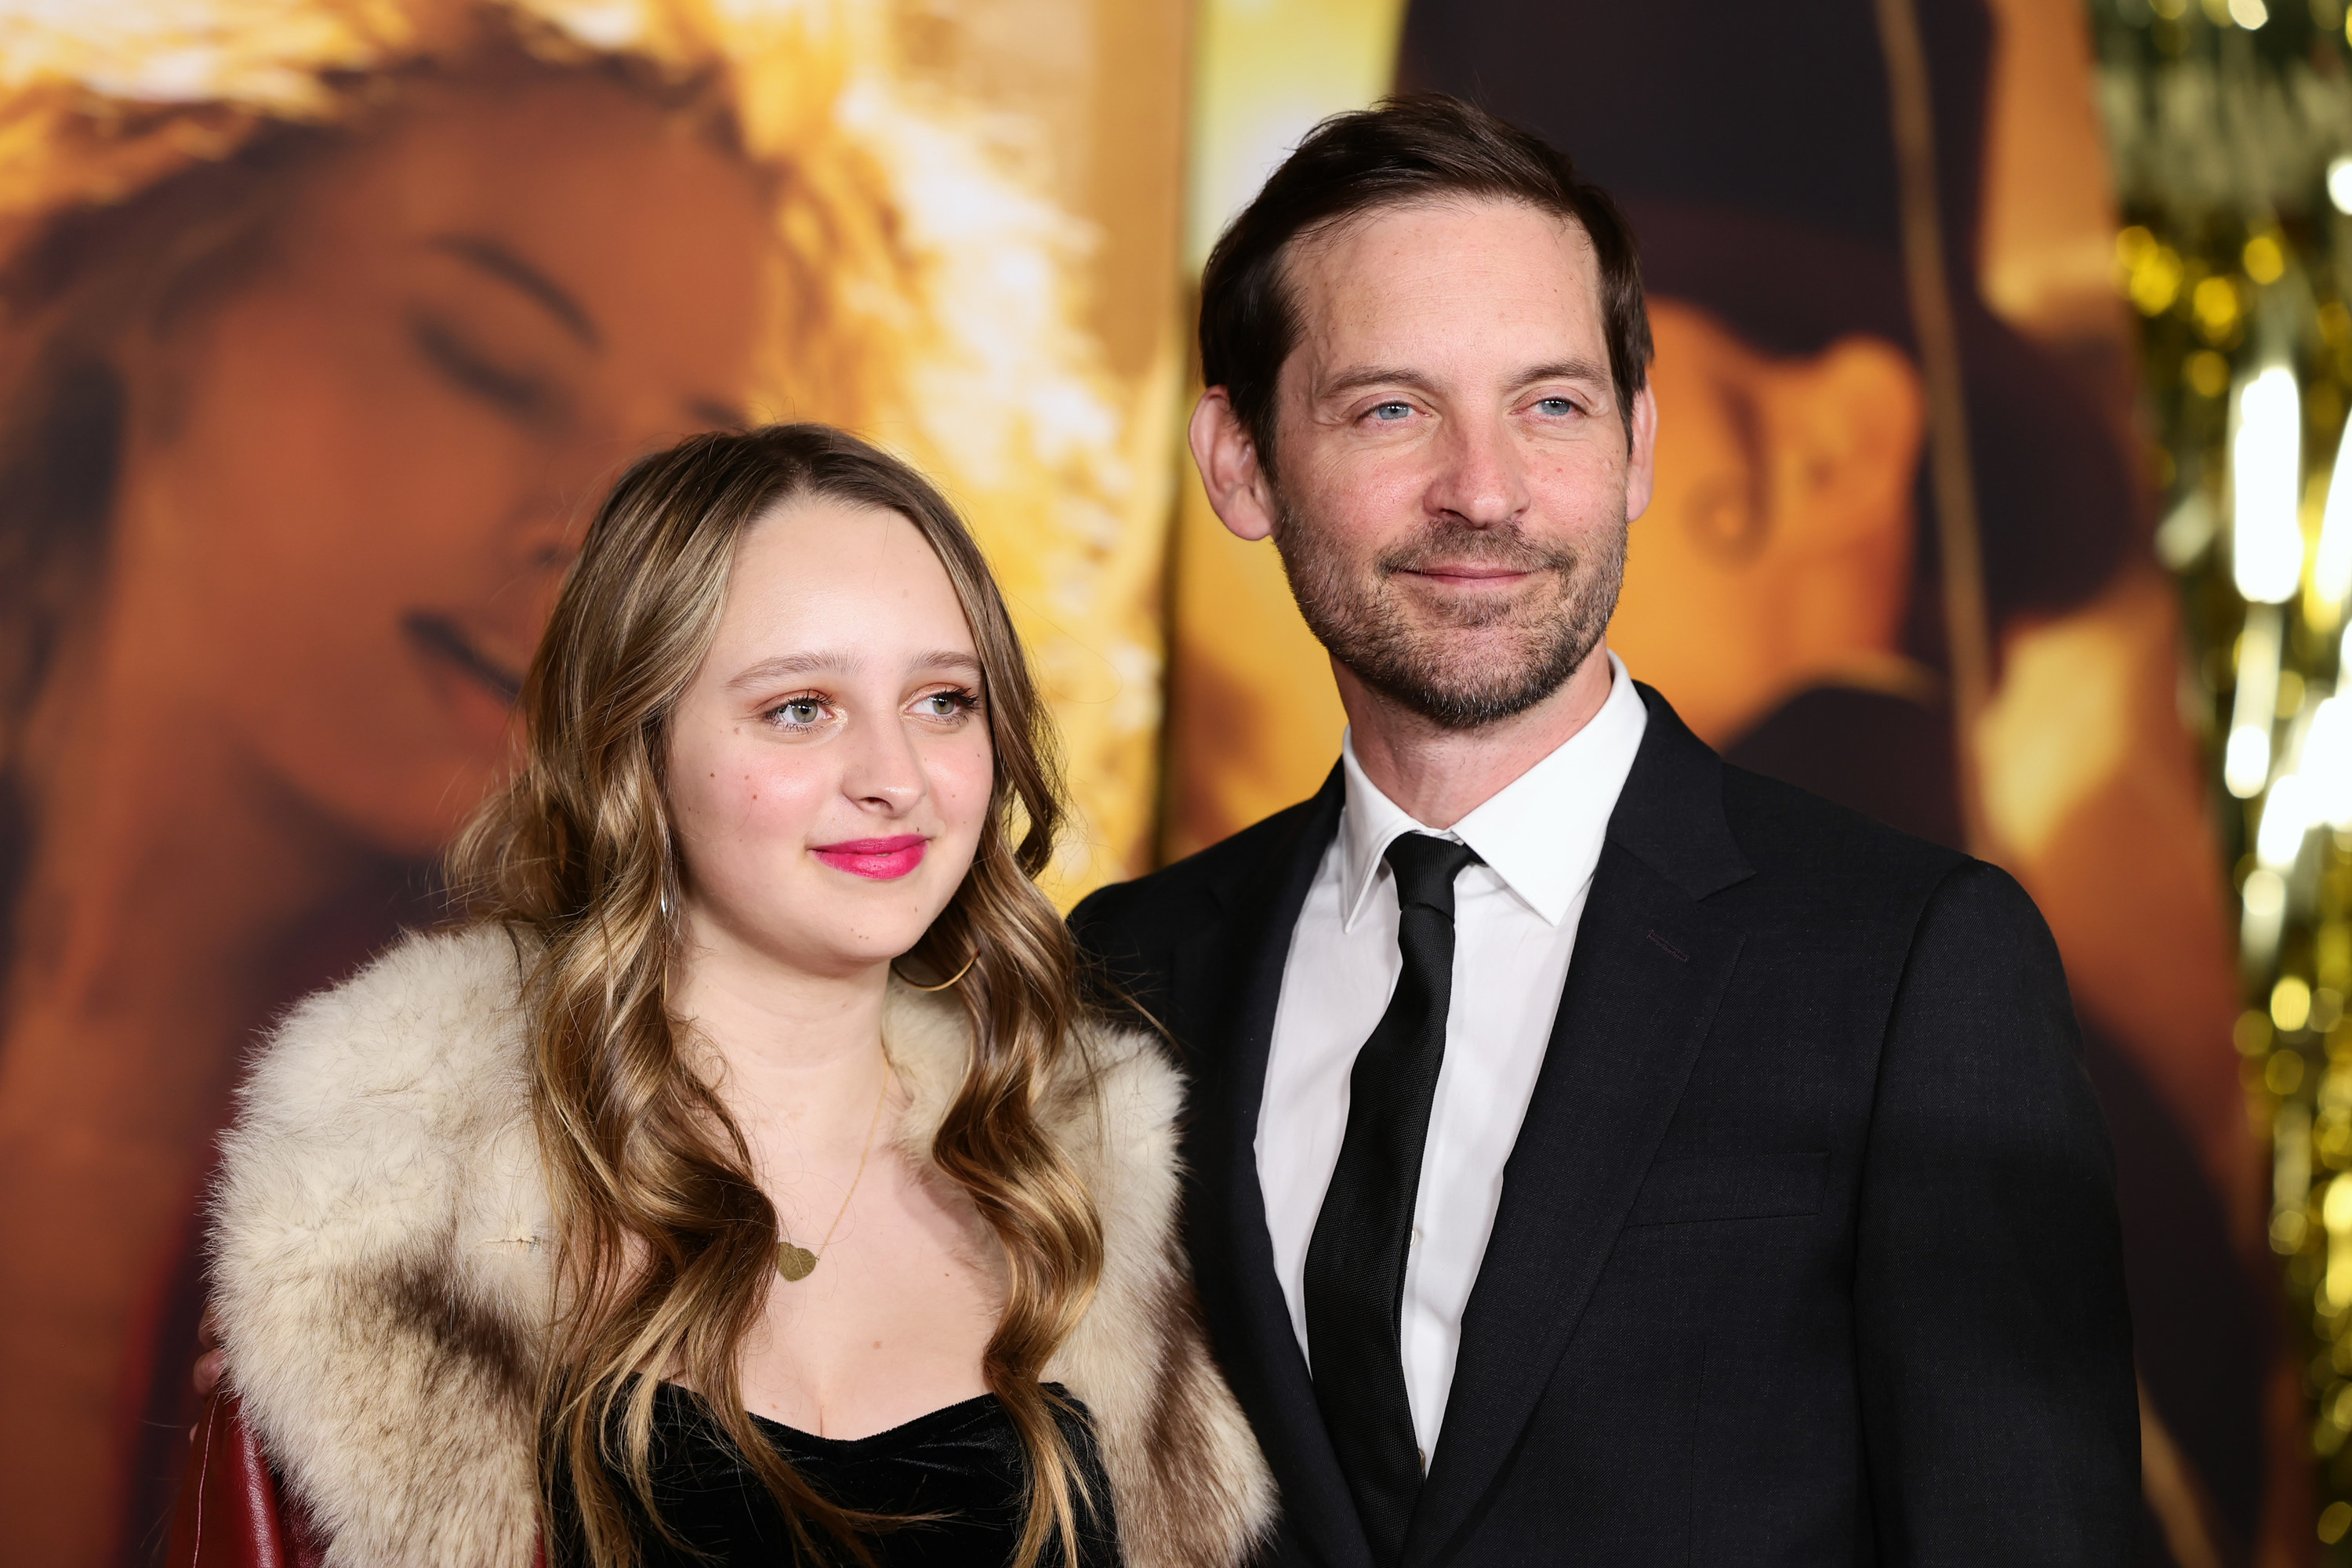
[
  {"x": 1750, "y": 146},
  {"x": 1599, "y": 1154}
]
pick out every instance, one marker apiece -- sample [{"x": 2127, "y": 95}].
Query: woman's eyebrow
[
  {"x": 769, "y": 669},
  {"x": 950, "y": 660},
  {"x": 499, "y": 262}
]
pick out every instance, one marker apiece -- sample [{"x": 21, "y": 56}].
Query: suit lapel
[
  {"x": 1226, "y": 985},
  {"x": 1650, "y": 967}
]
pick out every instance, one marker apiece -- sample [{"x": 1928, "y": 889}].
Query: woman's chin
[
  {"x": 869, "y": 955},
  {"x": 831, "y": 927},
  {"x": 858, "y": 968}
]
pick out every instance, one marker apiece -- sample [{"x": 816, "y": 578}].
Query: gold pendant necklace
[{"x": 797, "y": 1263}]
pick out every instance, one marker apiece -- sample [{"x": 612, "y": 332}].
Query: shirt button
[{"x": 1416, "y": 1238}]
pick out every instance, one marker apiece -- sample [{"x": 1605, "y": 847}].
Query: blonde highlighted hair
[{"x": 665, "y": 1241}]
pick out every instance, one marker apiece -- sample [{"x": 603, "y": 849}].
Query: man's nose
[{"x": 1482, "y": 478}]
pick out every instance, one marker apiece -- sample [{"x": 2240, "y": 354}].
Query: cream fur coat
[{"x": 382, "y": 1278}]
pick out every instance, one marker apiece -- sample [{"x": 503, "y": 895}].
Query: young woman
[{"x": 745, "y": 1176}]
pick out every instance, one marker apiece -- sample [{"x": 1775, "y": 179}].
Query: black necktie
[{"x": 1355, "y": 1264}]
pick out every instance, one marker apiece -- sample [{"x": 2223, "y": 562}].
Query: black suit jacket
[{"x": 1807, "y": 1250}]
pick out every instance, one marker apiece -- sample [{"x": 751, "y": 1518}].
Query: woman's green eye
[{"x": 802, "y": 711}]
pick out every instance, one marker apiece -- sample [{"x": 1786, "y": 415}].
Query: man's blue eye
[
  {"x": 1393, "y": 411},
  {"x": 1556, "y": 406}
]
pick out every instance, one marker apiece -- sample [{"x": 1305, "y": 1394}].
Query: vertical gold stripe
[
  {"x": 2173, "y": 1494},
  {"x": 1966, "y": 637}
]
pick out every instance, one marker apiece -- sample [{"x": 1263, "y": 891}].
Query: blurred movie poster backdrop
[
  {"x": 322, "y": 325},
  {"x": 1983, "y": 650}
]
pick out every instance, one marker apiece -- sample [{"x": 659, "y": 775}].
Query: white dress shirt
[{"x": 1515, "y": 926}]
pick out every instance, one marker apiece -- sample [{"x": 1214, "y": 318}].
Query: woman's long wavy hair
[{"x": 666, "y": 1243}]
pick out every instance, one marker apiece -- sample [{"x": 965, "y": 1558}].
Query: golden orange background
[{"x": 984, "y": 256}]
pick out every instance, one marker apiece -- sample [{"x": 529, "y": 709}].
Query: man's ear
[
  {"x": 1227, "y": 458},
  {"x": 1642, "y": 455},
  {"x": 1843, "y": 427}
]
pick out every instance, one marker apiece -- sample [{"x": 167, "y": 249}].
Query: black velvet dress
[{"x": 962, "y": 1465}]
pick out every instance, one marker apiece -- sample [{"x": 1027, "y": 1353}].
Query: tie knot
[{"x": 1425, "y": 867}]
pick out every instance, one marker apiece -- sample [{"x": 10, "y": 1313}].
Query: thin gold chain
[{"x": 865, "y": 1153}]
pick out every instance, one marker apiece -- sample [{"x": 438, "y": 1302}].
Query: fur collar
[{"x": 384, "y": 1286}]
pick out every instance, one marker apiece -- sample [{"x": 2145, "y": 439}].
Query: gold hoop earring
[{"x": 943, "y": 984}]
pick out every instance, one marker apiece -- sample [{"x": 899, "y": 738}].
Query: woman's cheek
[
  {"x": 750, "y": 796},
  {"x": 963, "y": 784},
  {"x": 780, "y": 803}
]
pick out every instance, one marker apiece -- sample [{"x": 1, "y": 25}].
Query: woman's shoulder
[
  {"x": 1110, "y": 1103},
  {"x": 1115, "y": 1109},
  {"x": 380, "y": 1253},
  {"x": 378, "y": 1098},
  {"x": 1190, "y": 1483},
  {"x": 427, "y": 1024}
]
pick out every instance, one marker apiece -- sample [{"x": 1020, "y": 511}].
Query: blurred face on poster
[
  {"x": 1777, "y": 553},
  {"x": 299, "y": 441},
  {"x": 349, "y": 489},
  {"x": 1453, "y": 474},
  {"x": 296, "y": 437}
]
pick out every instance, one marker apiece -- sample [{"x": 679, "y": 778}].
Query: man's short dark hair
[{"x": 1412, "y": 148}]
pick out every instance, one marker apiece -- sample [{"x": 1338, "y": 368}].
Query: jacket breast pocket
[{"x": 1731, "y": 1186}]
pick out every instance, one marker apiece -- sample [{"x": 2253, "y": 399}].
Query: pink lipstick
[{"x": 882, "y": 859}]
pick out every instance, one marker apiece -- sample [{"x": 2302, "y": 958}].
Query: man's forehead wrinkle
[
  {"x": 1315, "y": 249},
  {"x": 1329, "y": 290}
]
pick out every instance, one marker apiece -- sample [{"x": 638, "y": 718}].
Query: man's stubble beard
[{"x": 1423, "y": 664}]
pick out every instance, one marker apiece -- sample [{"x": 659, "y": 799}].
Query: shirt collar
[{"x": 1540, "y": 834}]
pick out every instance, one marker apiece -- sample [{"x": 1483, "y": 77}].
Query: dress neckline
[{"x": 929, "y": 1423}]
